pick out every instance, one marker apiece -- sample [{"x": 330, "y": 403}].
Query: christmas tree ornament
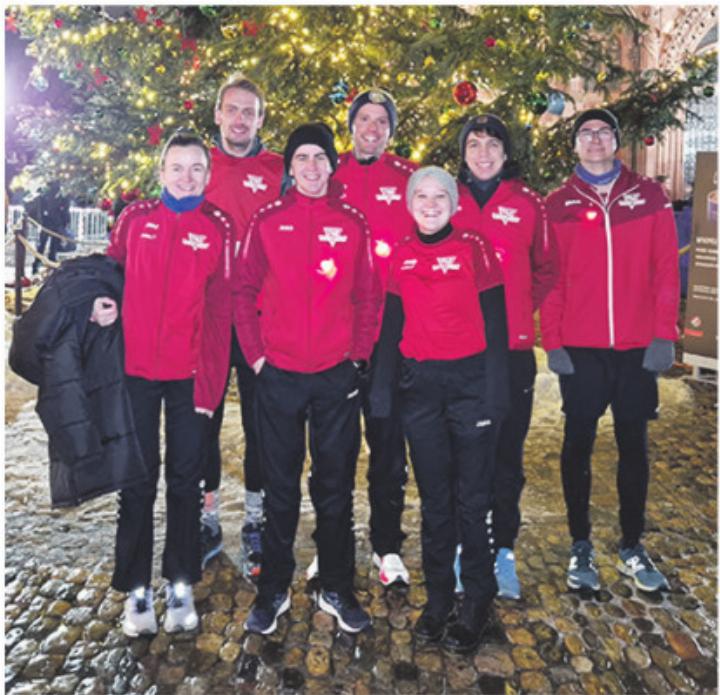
[
  {"x": 351, "y": 95},
  {"x": 40, "y": 82},
  {"x": 11, "y": 24},
  {"x": 99, "y": 77},
  {"x": 586, "y": 26},
  {"x": 160, "y": 69},
  {"x": 490, "y": 42},
  {"x": 571, "y": 35},
  {"x": 250, "y": 28},
  {"x": 340, "y": 91},
  {"x": 537, "y": 102},
  {"x": 141, "y": 15},
  {"x": 708, "y": 91},
  {"x": 601, "y": 77},
  {"x": 208, "y": 10},
  {"x": 229, "y": 31},
  {"x": 464, "y": 93},
  {"x": 188, "y": 104},
  {"x": 555, "y": 103},
  {"x": 436, "y": 23},
  {"x": 649, "y": 140},
  {"x": 154, "y": 134},
  {"x": 196, "y": 64},
  {"x": 159, "y": 23},
  {"x": 534, "y": 13},
  {"x": 428, "y": 62},
  {"x": 188, "y": 44},
  {"x": 542, "y": 76},
  {"x": 106, "y": 204},
  {"x": 58, "y": 23},
  {"x": 403, "y": 150}
]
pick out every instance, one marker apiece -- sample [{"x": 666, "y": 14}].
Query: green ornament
[
  {"x": 708, "y": 91},
  {"x": 571, "y": 35},
  {"x": 403, "y": 150},
  {"x": 537, "y": 102},
  {"x": 436, "y": 23}
]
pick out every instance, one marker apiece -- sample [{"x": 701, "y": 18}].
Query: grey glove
[
  {"x": 559, "y": 362},
  {"x": 659, "y": 355}
]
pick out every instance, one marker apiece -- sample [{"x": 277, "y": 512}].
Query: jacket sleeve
[
  {"x": 386, "y": 357},
  {"x": 497, "y": 379},
  {"x": 666, "y": 272},
  {"x": 251, "y": 270},
  {"x": 366, "y": 298},
  {"x": 551, "y": 310},
  {"x": 544, "y": 258},
  {"x": 214, "y": 357},
  {"x": 117, "y": 248}
]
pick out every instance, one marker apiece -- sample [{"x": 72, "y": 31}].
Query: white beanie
[{"x": 441, "y": 176}]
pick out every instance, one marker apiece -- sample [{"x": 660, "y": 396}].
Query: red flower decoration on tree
[
  {"x": 188, "y": 44},
  {"x": 649, "y": 140},
  {"x": 490, "y": 42},
  {"x": 159, "y": 23},
  {"x": 106, "y": 204},
  {"x": 99, "y": 77},
  {"x": 465, "y": 93},
  {"x": 59, "y": 23},
  {"x": 11, "y": 24},
  {"x": 154, "y": 134},
  {"x": 250, "y": 28},
  {"x": 196, "y": 62},
  {"x": 351, "y": 95},
  {"x": 188, "y": 104},
  {"x": 141, "y": 14}
]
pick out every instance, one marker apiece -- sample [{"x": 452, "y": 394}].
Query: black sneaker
[
  {"x": 431, "y": 624},
  {"x": 266, "y": 611},
  {"x": 211, "y": 542},
  {"x": 251, "y": 559},
  {"x": 350, "y": 615},
  {"x": 463, "y": 635}
]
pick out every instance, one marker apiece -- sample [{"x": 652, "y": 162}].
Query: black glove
[
  {"x": 659, "y": 355},
  {"x": 559, "y": 362}
]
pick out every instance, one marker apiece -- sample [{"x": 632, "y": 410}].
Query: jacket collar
[
  {"x": 627, "y": 179},
  {"x": 335, "y": 190}
]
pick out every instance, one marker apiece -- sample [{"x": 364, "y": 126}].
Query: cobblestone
[{"x": 62, "y": 619}]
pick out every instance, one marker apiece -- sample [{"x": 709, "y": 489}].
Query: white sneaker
[
  {"x": 180, "y": 615},
  {"x": 313, "y": 569},
  {"x": 392, "y": 569},
  {"x": 139, "y": 615}
]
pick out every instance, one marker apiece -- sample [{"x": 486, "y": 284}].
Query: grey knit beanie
[{"x": 441, "y": 176}]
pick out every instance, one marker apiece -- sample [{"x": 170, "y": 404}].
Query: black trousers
[
  {"x": 509, "y": 477},
  {"x": 386, "y": 475},
  {"x": 251, "y": 461},
  {"x": 602, "y": 378},
  {"x": 185, "y": 435},
  {"x": 329, "y": 403},
  {"x": 447, "y": 423}
]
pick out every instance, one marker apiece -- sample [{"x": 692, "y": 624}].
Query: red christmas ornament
[
  {"x": 159, "y": 23},
  {"x": 649, "y": 140},
  {"x": 99, "y": 77},
  {"x": 153, "y": 10},
  {"x": 11, "y": 24},
  {"x": 188, "y": 104},
  {"x": 154, "y": 134},
  {"x": 141, "y": 14},
  {"x": 196, "y": 62},
  {"x": 465, "y": 93},
  {"x": 351, "y": 95},
  {"x": 188, "y": 44},
  {"x": 250, "y": 28},
  {"x": 490, "y": 42},
  {"x": 79, "y": 65},
  {"x": 106, "y": 204},
  {"x": 59, "y": 23}
]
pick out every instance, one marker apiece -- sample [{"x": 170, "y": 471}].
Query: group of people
[{"x": 341, "y": 284}]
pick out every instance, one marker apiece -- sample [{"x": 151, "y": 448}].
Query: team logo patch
[
  {"x": 568, "y": 203},
  {"x": 446, "y": 263},
  {"x": 255, "y": 183},
  {"x": 196, "y": 242},
  {"x": 631, "y": 200},
  {"x": 382, "y": 248},
  {"x": 408, "y": 264},
  {"x": 388, "y": 194},
  {"x": 333, "y": 235},
  {"x": 328, "y": 268},
  {"x": 505, "y": 215}
]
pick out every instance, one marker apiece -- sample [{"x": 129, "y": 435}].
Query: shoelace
[{"x": 581, "y": 558}]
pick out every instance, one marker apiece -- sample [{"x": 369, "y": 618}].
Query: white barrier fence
[{"x": 87, "y": 225}]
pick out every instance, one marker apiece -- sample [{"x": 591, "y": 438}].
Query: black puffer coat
[{"x": 79, "y": 368}]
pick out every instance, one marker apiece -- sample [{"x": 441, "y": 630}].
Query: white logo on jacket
[
  {"x": 151, "y": 225},
  {"x": 388, "y": 194},
  {"x": 631, "y": 200},
  {"x": 196, "y": 242},
  {"x": 333, "y": 235},
  {"x": 408, "y": 264},
  {"x": 446, "y": 263},
  {"x": 505, "y": 215},
  {"x": 255, "y": 183},
  {"x": 286, "y": 228},
  {"x": 568, "y": 203}
]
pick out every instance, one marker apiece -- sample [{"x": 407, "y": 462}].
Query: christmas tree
[{"x": 133, "y": 75}]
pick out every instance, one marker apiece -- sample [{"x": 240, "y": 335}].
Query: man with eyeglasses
[{"x": 608, "y": 328}]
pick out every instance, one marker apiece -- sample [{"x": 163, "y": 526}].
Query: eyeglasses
[{"x": 604, "y": 134}]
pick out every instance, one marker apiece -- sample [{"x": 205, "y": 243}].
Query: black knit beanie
[
  {"x": 374, "y": 96},
  {"x": 485, "y": 123},
  {"x": 597, "y": 115},
  {"x": 311, "y": 134}
]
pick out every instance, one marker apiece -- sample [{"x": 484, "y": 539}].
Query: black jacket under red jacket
[{"x": 82, "y": 400}]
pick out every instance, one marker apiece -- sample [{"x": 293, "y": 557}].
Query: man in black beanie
[
  {"x": 375, "y": 182},
  {"x": 608, "y": 328},
  {"x": 308, "y": 254}
]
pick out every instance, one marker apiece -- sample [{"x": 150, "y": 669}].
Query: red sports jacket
[
  {"x": 176, "y": 301},
  {"x": 515, "y": 222},
  {"x": 439, "y": 286},
  {"x": 619, "y": 286},
  {"x": 311, "y": 259}
]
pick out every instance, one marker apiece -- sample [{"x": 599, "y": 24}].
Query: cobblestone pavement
[{"x": 62, "y": 619}]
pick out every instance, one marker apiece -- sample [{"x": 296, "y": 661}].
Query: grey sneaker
[
  {"x": 139, "y": 615},
  {"x": 180, "y": 615},
  {"x": 582, "y": 573},
  {"x": 635, "y": 563}
]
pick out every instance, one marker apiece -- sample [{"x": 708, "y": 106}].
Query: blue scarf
[
  {"x": 185, "y": 204},
  {"x": 598, "y": 179}
]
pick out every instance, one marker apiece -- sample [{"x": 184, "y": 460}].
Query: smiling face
[
  {"x": 430, "y": 206},
  {"x": 239, "y": 118},
  {"x": 371, "y": 131},
  {"x": 484, "y": 155},
  {"x": 310, "y": 167},
  {"x": 595, "y": 145},
  {"x": 185, "y": 171}
]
